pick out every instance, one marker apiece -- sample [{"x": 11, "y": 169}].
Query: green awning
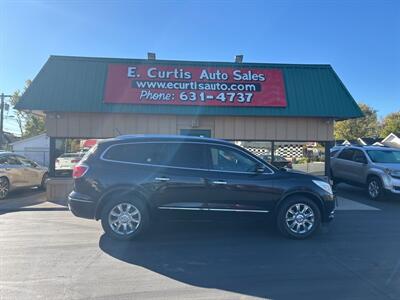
[{"x": 76, "y": 84}]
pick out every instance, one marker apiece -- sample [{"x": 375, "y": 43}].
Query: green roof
[{"x": 77, "y": 84}]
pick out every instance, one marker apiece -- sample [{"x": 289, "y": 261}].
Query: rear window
[
  {"x": 89, "y": 153},
  {"x": 146, "y": 153},
  {"x": 185, "y": 155},
  {"x": 333, "y": 153},
  {"x": 346, "y": 154}
]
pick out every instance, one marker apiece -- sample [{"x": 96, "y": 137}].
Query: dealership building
[{"x": 285, "y": 110}]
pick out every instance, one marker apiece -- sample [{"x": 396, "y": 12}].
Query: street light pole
[{"x": 2, "y": 98}]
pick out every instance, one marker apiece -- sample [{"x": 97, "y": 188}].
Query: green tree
[
  {"x": 366, "y": 126},
  {"x": 391, "y": 123},
  {"x": 34, "y": 125},
  {"x": 29, "y": 124}
]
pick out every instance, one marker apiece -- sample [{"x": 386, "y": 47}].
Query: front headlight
[{"x": 324, "y": 185}]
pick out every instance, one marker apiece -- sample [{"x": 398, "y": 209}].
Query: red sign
[{"x": 188, "y": 85}]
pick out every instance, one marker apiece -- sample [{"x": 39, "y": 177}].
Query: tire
[
  {"x": 132, "y": 212},
  {"x": 43, "y": 184},
  {"x": 4, "y": 187},
  {"x": 374, "y": 188},
  {"x": 298, "y": 217}
]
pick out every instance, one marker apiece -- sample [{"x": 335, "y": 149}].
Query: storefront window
[
  {"x": 301, "y": 156},
  {"x": 305, "y": 157},
  {"x": 68, "y": 152},
  {"x": 262, "y": 149}
]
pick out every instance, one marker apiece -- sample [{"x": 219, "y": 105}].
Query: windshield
[{"x": 384, "y": 156}]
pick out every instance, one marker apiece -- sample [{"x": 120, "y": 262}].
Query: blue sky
[{"x": 360, "y": 39}]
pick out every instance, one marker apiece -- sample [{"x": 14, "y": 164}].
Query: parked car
[
  {"x": 376, "y": 168},
  {"x": 126, "y": 182},
  {"x": 17, "y": 171},
  {"x": 279, "y": 161},
  {"x": 67, "y": 161}
]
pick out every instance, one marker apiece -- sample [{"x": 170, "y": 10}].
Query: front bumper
[
  {"x": 81, "y": 205},
  {"x": 330, "y": 204},
  {"x": 392, "y": 184}
]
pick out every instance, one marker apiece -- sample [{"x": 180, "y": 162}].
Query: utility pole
[{"x": 2, "y": 98}]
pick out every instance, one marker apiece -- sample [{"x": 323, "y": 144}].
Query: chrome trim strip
[
  {"x": 79, "y": 200},
  {"x": 182, "y": 208},
  {"x": 219, "y": 182},
  {"x": 199, "y": 169},
  {"x": 240, "y": 210},
  {"x": 214, "y": 209},
  {"x": 161, "y": 179}
]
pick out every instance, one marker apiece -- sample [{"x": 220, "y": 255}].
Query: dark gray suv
[{"x": 127, "y": 182}]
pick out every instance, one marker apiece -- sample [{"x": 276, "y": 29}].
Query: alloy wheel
[
  {"x": 124, "y": 218},
  {"x": 4, "y": 187},
  {"x": 300, "y": 218},
  {"x": 373, "y": 189}
]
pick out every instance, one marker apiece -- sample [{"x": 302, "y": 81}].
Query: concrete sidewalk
[{"x": 29, "y": 200}]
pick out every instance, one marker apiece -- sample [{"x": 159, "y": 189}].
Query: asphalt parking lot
[{"x": 46, "y": 253}]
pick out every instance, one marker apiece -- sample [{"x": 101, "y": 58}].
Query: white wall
[{"x": 35, "y": 148}]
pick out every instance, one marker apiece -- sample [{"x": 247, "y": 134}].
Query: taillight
[{"x": 79, "y": 171}]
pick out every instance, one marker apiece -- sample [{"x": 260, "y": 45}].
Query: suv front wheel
[
  {"x": 298, "y": 217},
  {"x": 124, "y": 219},
  {"x": 374, "y": 188}
]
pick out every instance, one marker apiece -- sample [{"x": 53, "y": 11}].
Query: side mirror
[{"x": 260, "y": 168}]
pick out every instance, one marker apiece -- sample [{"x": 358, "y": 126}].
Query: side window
[
  {"x": 146, "y": 153},
  {"x": 185, "y": 155},
  {"x": 227, "y": 159},
  {"x": 346, "y": 154},
  {"x": 13, "y": 160},
  {"x": 359, "y": 157},
  {"x": 3, "y": 160},
  {"x": 27, "y": 162}
]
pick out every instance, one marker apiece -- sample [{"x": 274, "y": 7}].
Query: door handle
[
  {"x": 162, "y": 179},
  {"x": 219, "y": 182}
]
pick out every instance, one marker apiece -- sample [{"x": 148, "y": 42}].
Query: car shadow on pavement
[
  {"x": 360, "y": 194},
  {"x": 27, "y": 200},
  {"x": 246, "y": 258}
]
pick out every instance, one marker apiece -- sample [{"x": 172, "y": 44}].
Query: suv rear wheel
[
  {"x": 374, "y": 188},
  {"x": 298, "y": 217},
  {"x": 124, "y": 219}
]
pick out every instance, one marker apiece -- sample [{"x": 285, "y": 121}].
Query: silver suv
[{"x": 376, "y": 168}]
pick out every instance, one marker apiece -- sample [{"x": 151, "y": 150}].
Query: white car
[
  {"x": 67, "y": 161},
  {"x": 17, "y": 171}
]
